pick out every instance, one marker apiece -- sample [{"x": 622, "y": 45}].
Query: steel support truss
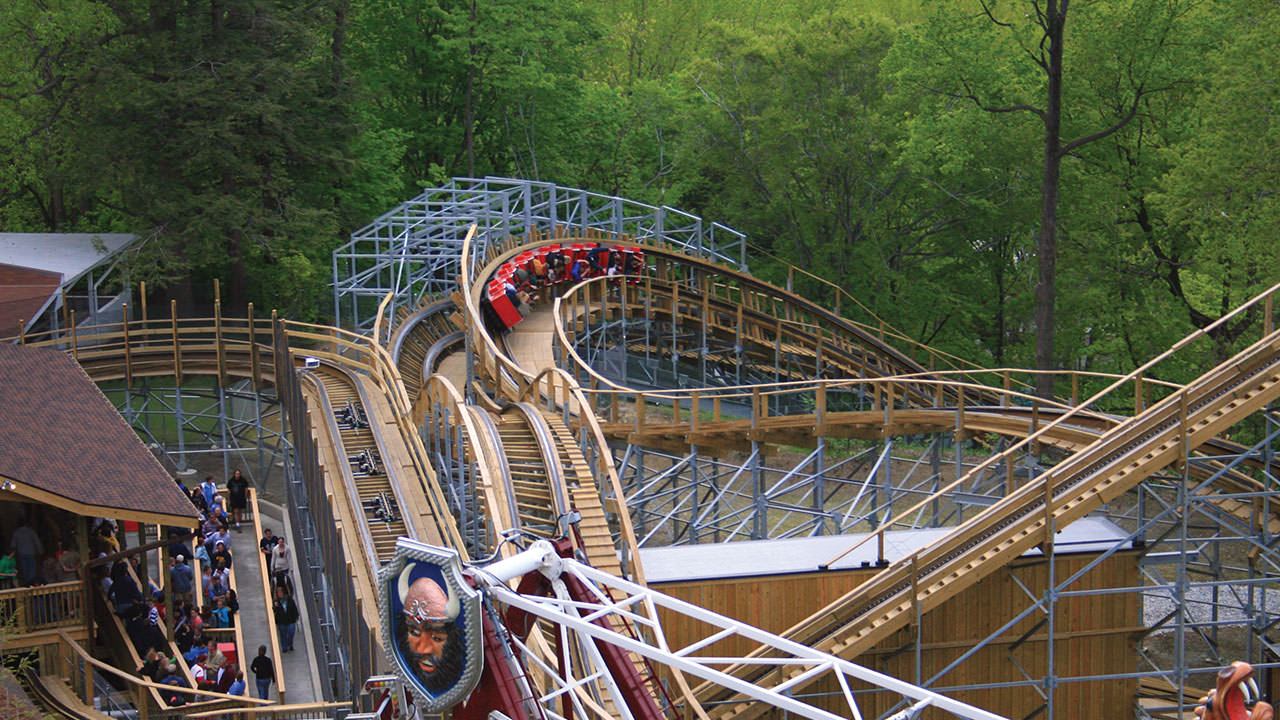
[
  {"x": 1208, "y": 564},
  {"x": 839, "y": 487},
  {"x": 235, "y": 423},
  {"x": 416, "y": 248},
  {"x": 641, "y": 612}
]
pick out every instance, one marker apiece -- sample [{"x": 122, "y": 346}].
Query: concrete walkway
[{"x": 297, "y": 668}]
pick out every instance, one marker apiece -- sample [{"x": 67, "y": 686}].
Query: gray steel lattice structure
[
  {"x": 416, "y": 249},
  {"x": 1207, "y": 567},
  {"x": 207, "y": 419}
]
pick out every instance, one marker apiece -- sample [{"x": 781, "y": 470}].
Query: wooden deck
[{"x": 531, "y": 341}]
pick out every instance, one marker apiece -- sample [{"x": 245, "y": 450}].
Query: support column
[
  {"x": 885, "y": 483},
  {"x": 260, "y": 481},
  {"x": 222, "y": 430},
  {"x": 638, "y": 473},
  {"x": 180, "y": 424},
  {"x": 935, "y": 463},
  {"x": 820, "y": 487},
  {"x": 696, "y": 497},
  {"x": 760, "y": 518},
  {"x": 1051, "y": 607}
]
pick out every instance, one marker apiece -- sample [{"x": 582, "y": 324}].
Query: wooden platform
[
  {"x": 454, "y": 368},
  {"x": 531, "y": 342}
]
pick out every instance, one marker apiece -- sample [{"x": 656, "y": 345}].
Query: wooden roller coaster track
[
  {"x": 532, "y": 468},
  {"x": 1110, "y": 455}
]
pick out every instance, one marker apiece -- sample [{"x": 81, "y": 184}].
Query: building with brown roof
[
  {"x": 68, "y": 458},
  {"x": 63, "y": 445},
  {"x": 46, "y": 277},
  {"x": 23, "y": 293}
]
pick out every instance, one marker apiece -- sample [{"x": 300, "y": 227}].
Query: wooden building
[
  {"x": 775, "y": 584},
  {"x": 68, "y": 460}
]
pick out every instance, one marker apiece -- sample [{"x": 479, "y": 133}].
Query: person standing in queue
[
  {"x": 286, "y": 613},
  {"x": 238, "y": 496},
  {"x": 264, "y": 672}
]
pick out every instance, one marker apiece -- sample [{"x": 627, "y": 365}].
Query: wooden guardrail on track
[
  {"x": 440, "y": 403},
  {"x": 557, "y": 391},
  {"x": 884, "y": 406},
  {"x": 726, "y": 311},
  {"x": 1117, "y": 461}
]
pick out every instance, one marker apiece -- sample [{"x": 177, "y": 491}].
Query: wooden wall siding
[{"x": 1094, "y": 634}]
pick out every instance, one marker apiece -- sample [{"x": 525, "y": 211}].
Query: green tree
[
  {"x": 224, "y": 131},
  {"x": 797, "y": 144},
  {"x": 473, "y": 88},
  {"x": 48, "y": 61},
  {"x": 1217, "y": 204},
  {"x": 1012, "y": 57}
]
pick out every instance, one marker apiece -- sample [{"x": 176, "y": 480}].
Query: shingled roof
[
  {"x": 23, "y": 291},
  {"x": 62, "y": 443}
]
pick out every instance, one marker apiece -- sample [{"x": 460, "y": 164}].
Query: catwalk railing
[{"x": 764, "y": 326}]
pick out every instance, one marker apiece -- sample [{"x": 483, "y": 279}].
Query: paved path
[{"x": 297, "y": 667}]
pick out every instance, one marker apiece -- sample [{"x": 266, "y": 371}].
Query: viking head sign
[{"x": 431, "y": 624}]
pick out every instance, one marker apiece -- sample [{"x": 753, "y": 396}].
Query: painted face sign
[{"x": 431, "y": 624}]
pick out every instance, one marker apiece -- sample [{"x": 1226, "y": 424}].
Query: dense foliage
[{"x": 929, "y": 158}]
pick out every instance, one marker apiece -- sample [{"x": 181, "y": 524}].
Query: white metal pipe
[{"x": 540, "y": 556}]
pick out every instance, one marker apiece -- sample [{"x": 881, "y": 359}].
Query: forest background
[{"x": 930, "y": 157}]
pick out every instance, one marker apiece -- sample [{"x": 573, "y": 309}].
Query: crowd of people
[
  {"x": 207, "y": 605},
  {"x": 209, "y": 668},
  {"x": 29, "y": 560},
  {"x": 31, "y": 557},
  {"x": 200, "y": 605}
]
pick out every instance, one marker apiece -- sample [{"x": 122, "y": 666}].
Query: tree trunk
[
  {"x": 1047, "y": 240},
  {"x": 469, "y": 121},
  {"x": 57, "y": 214},
  {"x": 237, "y": 295},
  {"x": 339, "y": 40}
]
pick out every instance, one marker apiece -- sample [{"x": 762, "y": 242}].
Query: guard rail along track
[{"x": 1130, "y": 451}]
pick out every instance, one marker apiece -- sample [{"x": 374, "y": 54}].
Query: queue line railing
[
  {"x": 75, "y": 665},
  {"x": 264, "y": 582}
]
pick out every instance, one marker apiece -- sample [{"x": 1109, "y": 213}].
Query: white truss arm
[{"x": 637, "y": 606}]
